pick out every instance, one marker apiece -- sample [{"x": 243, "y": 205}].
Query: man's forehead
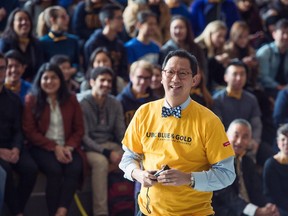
[{"x": 181, "y": 62}]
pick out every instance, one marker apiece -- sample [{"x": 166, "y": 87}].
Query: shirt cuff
[
  {"x": 200, "y": 180},
  {"x": 129, "y": 170},
  {"x": 250, "y": 209}
]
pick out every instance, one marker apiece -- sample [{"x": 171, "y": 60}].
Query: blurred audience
[
  {"x": 158, "y": 7},
  {"x": 273, "y": 60},
  {"x": 14, "y": 157},
  {"x": 244, "y": 196},
  {"x": 142, "y": 47},
  {"x": 18, "y": 35},
  {"x": 212, "y": 41},
  {"x": 275, "y": 173},
  {"x": 205, "y": 11}
]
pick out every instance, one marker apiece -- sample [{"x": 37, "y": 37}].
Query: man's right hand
[
  {"x": 5, "y": 154},
  {"x": 268, "y": 210},
  {"x": 146, "y": 178}
]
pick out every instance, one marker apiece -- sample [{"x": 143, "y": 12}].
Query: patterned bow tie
[{"x": 176, "y": 112}]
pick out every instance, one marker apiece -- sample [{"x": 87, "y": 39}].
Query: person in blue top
[
  {"x": 85, "y": 19},
  {"x": 205, "y": 11},
  {"x": 15, "y": 68},
  {"x": 52, "y": 28},
  {"x": 142, "y": 47},
  {"x": 273, "y": 60}
]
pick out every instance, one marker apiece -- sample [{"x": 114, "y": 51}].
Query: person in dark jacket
[{"x": 244, "y": 196}]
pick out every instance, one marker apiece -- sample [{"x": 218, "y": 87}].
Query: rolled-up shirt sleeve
[
  {"x": 221, "y": 175},
  {"x": 130, "y": 161}
]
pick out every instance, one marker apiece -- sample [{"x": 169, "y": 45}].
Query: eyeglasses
[
  {"x": 171, "y": 73},
  {"x": 148, "y": 78}
]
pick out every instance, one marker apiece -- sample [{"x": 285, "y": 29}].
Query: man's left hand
[{"x": 174, "y": 177}]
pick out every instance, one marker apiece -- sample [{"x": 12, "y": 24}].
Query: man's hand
[
  {"x": 174, "y": 177},
  {"x": 146, "y": 178},
  {"x": 15, "y": 153},
  {"x": 5, "y": 154},
  {"x": 268, "y": 210}
]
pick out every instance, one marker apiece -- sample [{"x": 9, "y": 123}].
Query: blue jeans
[{"x": 2, "y": 186}]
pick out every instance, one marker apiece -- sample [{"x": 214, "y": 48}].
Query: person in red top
[{"x": 53, "y": 125}]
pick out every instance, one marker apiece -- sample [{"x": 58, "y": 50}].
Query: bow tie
[{"x": 176, "y": 112}]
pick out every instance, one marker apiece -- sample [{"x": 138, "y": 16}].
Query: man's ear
[
  {"x": 196, "y": 80},
  {"x": 225, "y": 77},
  {"x": 91, "y": 82}
]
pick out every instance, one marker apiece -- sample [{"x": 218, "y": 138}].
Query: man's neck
[
  {"x": 110, "y": 34},
  {"x": 174, "y": 103},
  {"x": 143, "y": 39},
  {"x": 282, "y": 49},
  {"x": 100, "y": 99},
  {"x": 233, "y": 91}
]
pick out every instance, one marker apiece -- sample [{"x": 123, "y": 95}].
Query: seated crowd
[{"x": 73, "y": 73}]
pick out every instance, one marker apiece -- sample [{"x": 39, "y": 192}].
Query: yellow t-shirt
[{"x": 189, "y": 144}]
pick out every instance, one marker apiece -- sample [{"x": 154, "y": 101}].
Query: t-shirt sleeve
[
  {"x": 216, "y": 143},
  {"x": 132, "y": 139}
]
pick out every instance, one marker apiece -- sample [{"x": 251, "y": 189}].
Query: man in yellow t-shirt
[{"x": 184, "y": 135}]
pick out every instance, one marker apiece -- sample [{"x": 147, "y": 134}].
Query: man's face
[
  {"x": 101, "y": 85},
  {"x": 2, "y": 71},
  {"x": 281, "y": 38},
  {"x": 235, "y": 77},
  {"x": 239, "y": 136},
  {"x": 67, "y": 70},
  {"x": 14, "y": 70},
  {"x": 141, "y": 80},
  {"x": 178, "y": 86},
  {"x": 116, "y": 23},
  {"x": 148, "y": 28}
]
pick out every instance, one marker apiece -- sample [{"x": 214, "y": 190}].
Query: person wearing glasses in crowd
[
  {"x": 138, "y": 91},
  {"x": 178, "y": 132}
]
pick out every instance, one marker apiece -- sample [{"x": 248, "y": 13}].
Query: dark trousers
[
  {"x": 18, "y": 190},
  {"x": 62, "y": 179}
]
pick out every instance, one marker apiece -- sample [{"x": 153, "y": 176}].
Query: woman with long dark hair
[
  {"x": 182, "y": 37},
  {"x": 18, "y": 36},
  {"x": 53, "y": 125}
]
